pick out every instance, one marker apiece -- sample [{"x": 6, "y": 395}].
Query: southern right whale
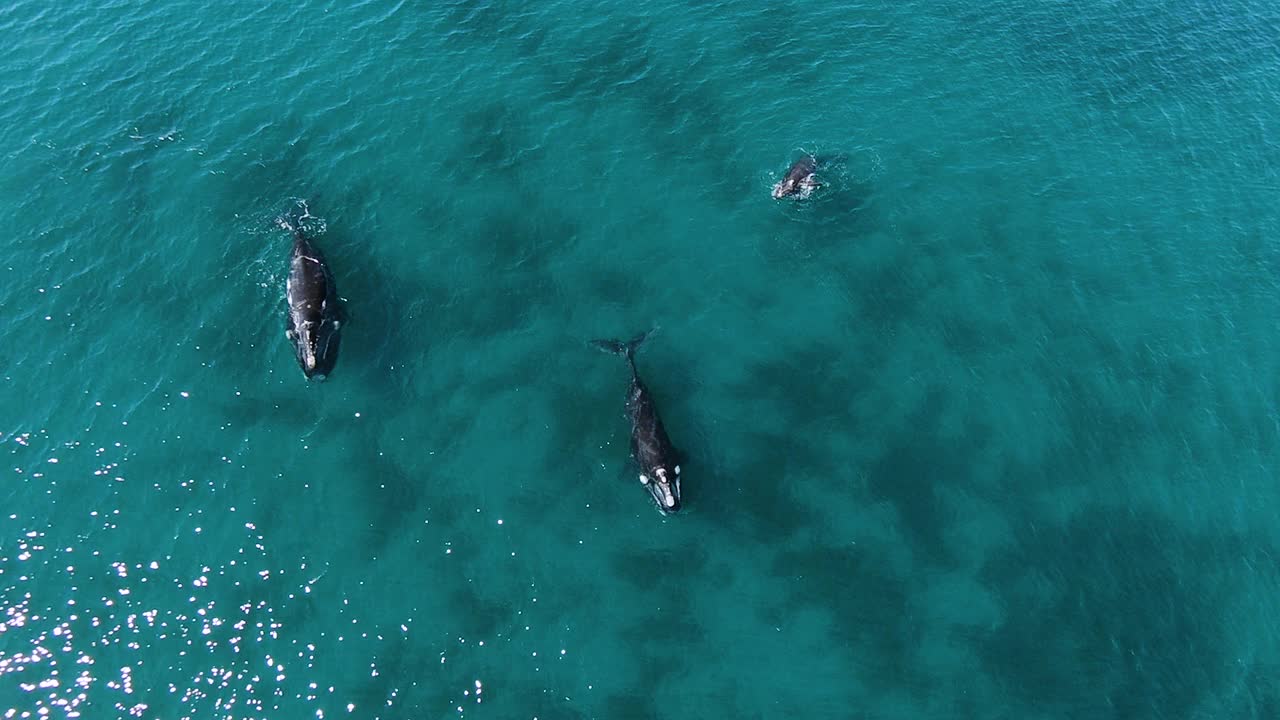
[
  {"x": 656, "y": 458},
  {"x": 799, "y": 180},
  {"x": 315, "y": 318}
]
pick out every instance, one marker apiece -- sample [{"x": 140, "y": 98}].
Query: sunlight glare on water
[{"x": 984, "y": 428}]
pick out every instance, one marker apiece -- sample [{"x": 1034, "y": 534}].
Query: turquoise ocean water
[{"x": 986, "y": 428}]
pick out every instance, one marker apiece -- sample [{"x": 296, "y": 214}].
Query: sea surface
[{"x": 986, "y": 428}]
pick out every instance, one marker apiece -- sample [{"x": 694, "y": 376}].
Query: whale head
[
  {"x": 316, "y": 343},
  {"x": 664, "y": 486}
]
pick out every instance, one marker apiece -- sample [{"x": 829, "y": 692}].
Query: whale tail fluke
[
  {"x": 619, "y": 347},
  {"x": 294, "y": 218}
]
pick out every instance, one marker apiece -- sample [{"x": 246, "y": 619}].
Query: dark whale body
[
  {"x": 314, "y": 319},
  {"x": 657, "y": 459},
  {"x": 799, "y": 180}
]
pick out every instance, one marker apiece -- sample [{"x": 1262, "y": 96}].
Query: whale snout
[
  {"x": 311, "y": 363},
  {"x": 664, "y": 486},
  {"x": 667, "y": 500},
  {"x": 316, "y": 346},
  {"x": 672, "y": 504}
]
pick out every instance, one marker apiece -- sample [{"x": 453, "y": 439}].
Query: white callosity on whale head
[{"x": 667, "y": 498}]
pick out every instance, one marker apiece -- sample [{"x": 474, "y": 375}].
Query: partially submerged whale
[
  {"x": 656, "y": 458},
  {"x": 799, "y": 180}
]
